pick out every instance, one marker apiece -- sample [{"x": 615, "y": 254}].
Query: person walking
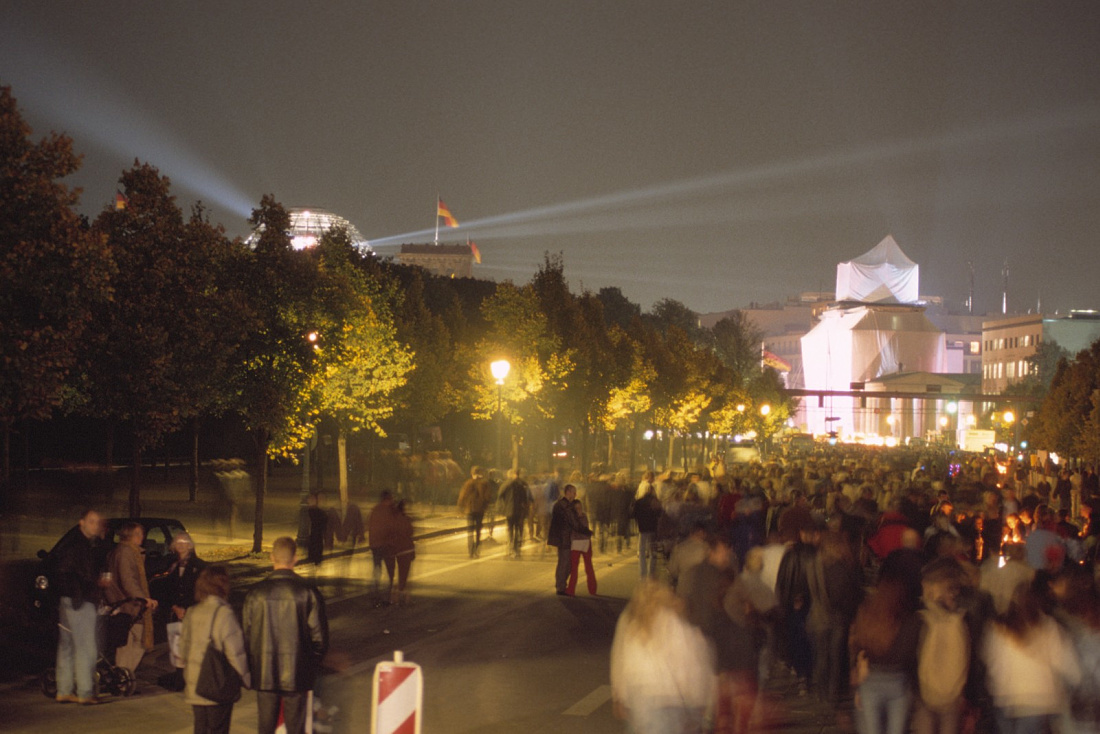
[
  {"x": 515, "y": 502},
  {"x": 662, "y": 669},
  {"x": 379, "y": 525},
  {"x": 563, "y": 521},
  {"x": 647, "y": 514},
  {"x": 128, "y": 583},
  {"x": 286, "y": 635},
  {"x": 473, "y": 498},
  {"x": 211, "y": 620},
  {"x": 79, "y": 586},
  {"x": 581, "y": 547},
  {"x": 404, "y": 552}
]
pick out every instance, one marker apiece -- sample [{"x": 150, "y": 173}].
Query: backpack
[{"x": 943, "y": 658}]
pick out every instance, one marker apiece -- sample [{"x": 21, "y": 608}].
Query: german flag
[
  {"x": 476, "y": 253},
  {"x": 120, "y": 201},
  {"x": 777, "y": 363},
  {"x": 445, "y": 214}
]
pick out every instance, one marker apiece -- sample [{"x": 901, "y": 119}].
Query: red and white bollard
[{"x": 397, "y": 696}]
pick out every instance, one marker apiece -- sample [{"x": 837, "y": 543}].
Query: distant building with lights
[
  {"x": 1010, "y": 343},
  {"x": 308, "y": 224},
  {"x": 448, "y": 261}
]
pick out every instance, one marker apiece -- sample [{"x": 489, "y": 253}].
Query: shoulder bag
[{"x": 218, "y": 680}]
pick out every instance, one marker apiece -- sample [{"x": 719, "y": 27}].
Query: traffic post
[{"x": 397, "y": 696}]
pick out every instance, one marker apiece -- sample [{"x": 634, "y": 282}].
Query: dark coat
[
  {"x": 78, "y": 562},
  {"x": 286, "y": 633},
  {"x": 563, "y": 521}
]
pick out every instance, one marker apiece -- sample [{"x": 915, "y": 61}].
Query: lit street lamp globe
[{"x": 500, "y": 370}]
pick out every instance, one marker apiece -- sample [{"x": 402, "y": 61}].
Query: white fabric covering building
[
  {"x": 882, "y": 275},
  {"x": 876, "y": 328}
]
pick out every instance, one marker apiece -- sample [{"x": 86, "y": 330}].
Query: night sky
[{"x": 718, "y": 153}]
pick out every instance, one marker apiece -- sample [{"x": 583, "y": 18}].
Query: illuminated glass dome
[{"x": 307, "y": 226}]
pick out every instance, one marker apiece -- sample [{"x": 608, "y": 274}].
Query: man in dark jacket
[
  {"x": 515, "y": 503},
  {"x": 563, "y": 521},
  {"x": 286, "y": 633},
  {"x": 79, "y": 564}
]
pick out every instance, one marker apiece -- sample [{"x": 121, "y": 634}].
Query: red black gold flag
[{"x": 445, "y": 214}]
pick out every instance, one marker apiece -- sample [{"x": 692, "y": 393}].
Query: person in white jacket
[
  {"x": 1029, "y": 662},
  {"x": 662, "y": 669},
  {"x": 212, "y": 618}
]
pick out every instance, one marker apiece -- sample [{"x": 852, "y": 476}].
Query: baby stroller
[{"x": 108, "y": 677}]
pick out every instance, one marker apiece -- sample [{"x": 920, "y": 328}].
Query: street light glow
[
  {"x": 1009, "y": 416},
  {"x": 500, "y": 370},
  {"x": 765, "y": 409}
]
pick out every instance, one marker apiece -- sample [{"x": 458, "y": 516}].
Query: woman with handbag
[{"x": 211, "y": 638}]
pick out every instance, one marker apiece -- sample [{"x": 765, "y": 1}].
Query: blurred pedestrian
[
  {"x": 883, "y": 647},
  {"x": 379, "y": 527},
  {"x": 1029, "y": 662},
  {"x": 286, "y": 634},
  {"x": 473, "y": 498},
  {"x": 79, "y": 585},
  {"x": 404, "y": 552},
  {"x": 662, "y": 670},
  {"x": 647, "y": 514},
  {"x": 212, "y": 620},
  {"x": 318, "y": 524},
  {"x": 515, "y": 504}
]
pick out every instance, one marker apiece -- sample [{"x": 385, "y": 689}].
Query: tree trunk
[
  {"x": 109, "y": 459},
  {"x": 671, "y": 450},
  {"x": 135, "y": 481},
  {"x": 584, "y": 447},
  {"x": 262, "y": 441},
  {"x": 193, "y": 480},
  {"x": 633, "y": 460},
  {"x": 5, "y": 461},
  {"x": 610, "y": 450},
  {"x": 342, "y": 460}
]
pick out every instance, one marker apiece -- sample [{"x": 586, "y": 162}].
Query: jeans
[
  {"x": 884, "y": 702},
  {"x": 515, "y": 534},
  {"x": 561, "y": 571},
  {"x": 1020, "y": 724},
  {"x": 647, "y": 546},
  {"x": 76, "y": 649},
  {"x": 671, "y": 720},
  {"x": 473, "y": 532}
]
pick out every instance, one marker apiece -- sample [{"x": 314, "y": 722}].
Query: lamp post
[
  {"x": 500, "y": 369},
  {"x": 765, "y": 411},
  {"x": 1009, "y": 419}
]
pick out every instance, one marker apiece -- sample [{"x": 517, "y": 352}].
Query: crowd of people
[{"x": 941, "y": 592}]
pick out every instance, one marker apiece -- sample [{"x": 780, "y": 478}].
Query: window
[
  {"x": 975, "y": 347},
  {"x": 1011, "y": 370}
]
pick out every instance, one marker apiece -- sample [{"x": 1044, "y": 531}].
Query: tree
[
  {"x": 362, "y": 363},
  {"x": 1066, "y": 410},
  {"x": 276, "y": 371},
  {"x": 53, "y": 272},
  {"x": 148, "y": 341},
  {"x": 737, "y": 341},
  {"x": 520, "y": 332}
]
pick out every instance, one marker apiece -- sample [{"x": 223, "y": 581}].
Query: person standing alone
[{"x": 286, "y": 633}]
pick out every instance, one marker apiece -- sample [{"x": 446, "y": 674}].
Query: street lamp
[
  {"x": 500, "y": 369},
  {"x": 1009, "y": 419}
]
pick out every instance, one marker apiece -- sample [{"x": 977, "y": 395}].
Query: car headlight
[{"x": 41, "y": 583}]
